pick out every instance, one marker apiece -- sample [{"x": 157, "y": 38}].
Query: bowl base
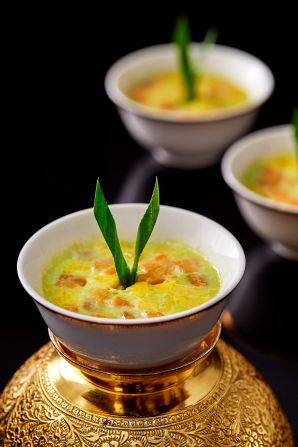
[
  {"x": 103, "y": 374},
  {"x": 284, "y": 252},
  {"x": 201, "y": 160}
]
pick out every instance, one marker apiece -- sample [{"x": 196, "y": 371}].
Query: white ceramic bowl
[
  {"x": 273, "y": 221},
  {"x": 194, "y": 141},
  {"x": 139, "y": 343}
]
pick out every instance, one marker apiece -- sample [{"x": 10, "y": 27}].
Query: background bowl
[
  {"x": 273, "y": 221},
  {"x": 139, "y": 343},
  {"x": 193, "y": 141}
]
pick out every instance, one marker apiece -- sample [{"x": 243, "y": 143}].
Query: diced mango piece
[
  {"x": 110, "y": 271},
  {"x": 108, "y": 281},
  {"x": 102, "y": 264},
  {"x": 154, "y": 314},
  {"x": 151, "y": 279},
  {"x": 188, "y": 265},
  {"x": 270, "y": 176},
  {"x": 119, "y": 301},
  {"x": 96, "y": 298},
  {"x": 196, "y": 279},
  {"x": 139, "y": 288},
  {"x": 165, "y": 286},
  {"x": 71, "y": 281}
]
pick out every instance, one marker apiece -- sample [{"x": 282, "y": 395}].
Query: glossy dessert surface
[
  {"x": 166, "y": 91},
  {"x": 275, "y": 177},
  {"x": 172, "y": 277}
]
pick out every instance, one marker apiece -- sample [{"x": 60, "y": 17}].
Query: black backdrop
[{"x": 63, "y": 133}]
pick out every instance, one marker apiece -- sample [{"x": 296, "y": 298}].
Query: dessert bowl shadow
[
  {"x": 175, "y": 139},
  {"x": 275, "y": 222},
  {"x": 134, "y": 344}
]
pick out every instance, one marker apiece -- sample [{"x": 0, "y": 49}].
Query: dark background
[{"x": 63, "y": 133}]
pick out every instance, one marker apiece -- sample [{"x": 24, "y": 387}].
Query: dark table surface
[{"x": 64, "y": 134}]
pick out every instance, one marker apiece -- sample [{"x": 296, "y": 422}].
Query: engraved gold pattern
[{"x": 239, "y": 411}]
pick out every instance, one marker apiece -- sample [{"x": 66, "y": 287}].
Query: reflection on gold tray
[{"x": 214, "y": 400}]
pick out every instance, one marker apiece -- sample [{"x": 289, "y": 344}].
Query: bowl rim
[
  {"x": 236, "y": 185},
  {"x": 137, "y": 321},
  {"x": 121, "y": 100}
]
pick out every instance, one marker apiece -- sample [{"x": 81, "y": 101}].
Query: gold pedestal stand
[{"x": 208, "y": 399}]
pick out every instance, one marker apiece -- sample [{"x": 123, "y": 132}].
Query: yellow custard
[
  {"x": 274, "y": 177},
  {"x": 172, "y": 277},
  {"x": 167, "y": 91}
]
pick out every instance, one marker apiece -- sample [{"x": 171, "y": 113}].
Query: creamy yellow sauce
[
  {"x": 167, "y": 91},
  {"x": 274, "y": 177},
  {"x": 172, "y": 277}
]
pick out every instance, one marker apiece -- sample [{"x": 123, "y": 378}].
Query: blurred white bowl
[
  {"x": 193, "y": 141},
  {"x": 139, "y": 343},
  {"x": 273, "y": 221}
]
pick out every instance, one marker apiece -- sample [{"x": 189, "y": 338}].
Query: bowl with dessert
[
  {"x": 186, "y": 102},
  {"x": 125, "y": 302},
  {"x": 262, "y": 171}
]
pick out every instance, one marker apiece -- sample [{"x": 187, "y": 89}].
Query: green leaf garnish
[
  {"x": 108, "y": 228},
  {"x": 145, "y": 229},
  {"x": 209, "y": 39},
  {"x": 295, "y": 128},
  {"x": 182, "y": 39}
]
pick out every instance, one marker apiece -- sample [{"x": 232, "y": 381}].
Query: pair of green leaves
[
  {"x": 182, "y": 38},
  {"x": 108, "y": 228}
]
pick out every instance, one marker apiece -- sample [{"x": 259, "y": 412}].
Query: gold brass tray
[{"x": 211, "y": 400}]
